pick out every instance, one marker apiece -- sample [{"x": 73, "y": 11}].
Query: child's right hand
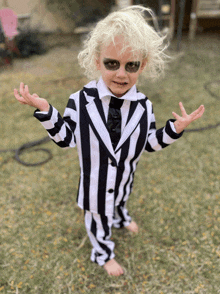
[{"x": 32, "y": 100}]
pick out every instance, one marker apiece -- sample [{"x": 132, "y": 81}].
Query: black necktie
[{"x": 114, "y": 120}]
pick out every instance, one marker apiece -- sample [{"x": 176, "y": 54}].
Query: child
[{"x": 111, "y": 123}]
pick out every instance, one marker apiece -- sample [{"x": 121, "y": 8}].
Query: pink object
[{"x": 9, "y": 21}]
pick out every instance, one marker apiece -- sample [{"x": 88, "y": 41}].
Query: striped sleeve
[
  {"x": 60, "y": 129},
  {"x": 161, "y": 138}
]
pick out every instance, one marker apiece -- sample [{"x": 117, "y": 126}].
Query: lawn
[{"x": 175, "y": 200}]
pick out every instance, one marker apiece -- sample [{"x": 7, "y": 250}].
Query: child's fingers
[
  {"x": 29, "y": 99},
  {"x": 175, "y": 115},
  {"x": 24, "y": 91},
  {"x": 20, "y": 99},
  {"x": 15, "y": 92},
  {"x": 21, "y": 89},
  {"x": 24, "y": 97},
  {"x": 198, "y": 112},
  {"x": 17, "y": 96},
  {"x": 201, "y": 110},
  {"x": 183, "y": 111}
]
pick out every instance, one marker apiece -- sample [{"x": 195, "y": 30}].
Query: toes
[
  {"x": 132, "y": 227},
  {"x": 113, "y": 268}
]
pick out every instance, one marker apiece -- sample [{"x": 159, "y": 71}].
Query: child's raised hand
[
  {"x": 32, "y": 100},
  {"x": 183, "y": 121}
]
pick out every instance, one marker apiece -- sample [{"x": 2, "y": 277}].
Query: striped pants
[{"x": 99, "y": 231}]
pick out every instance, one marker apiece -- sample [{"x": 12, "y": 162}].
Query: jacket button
[
  {"x": 110, "y": 190},
  {"x": 113, "y": 164}
]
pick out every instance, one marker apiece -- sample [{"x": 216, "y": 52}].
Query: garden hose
[
  {"x": 206, "y": 87},
  {"x": 26, "y": 147}
]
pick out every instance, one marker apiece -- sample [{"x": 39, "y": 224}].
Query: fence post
[
  {"x": 123, "y": 3},
  {"x": 193, "y": 20}
]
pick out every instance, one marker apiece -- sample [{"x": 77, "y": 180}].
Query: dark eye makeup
[
  {"x": 131, "y": 66},
  {"x": 111, "y": 64}
]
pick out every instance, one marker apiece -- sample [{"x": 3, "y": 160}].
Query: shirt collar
[{"x": 131, "y": 95}]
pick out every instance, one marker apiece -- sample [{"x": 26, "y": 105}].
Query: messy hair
[{"x": 136, "y": 33}]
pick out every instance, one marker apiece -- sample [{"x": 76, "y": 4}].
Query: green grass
[{"x": 175, "y": 201}]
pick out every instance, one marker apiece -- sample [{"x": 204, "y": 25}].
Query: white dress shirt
[{"x": 105, "y": 95}]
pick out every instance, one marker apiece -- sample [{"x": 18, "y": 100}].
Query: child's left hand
[{"x": 183, "y": 121}]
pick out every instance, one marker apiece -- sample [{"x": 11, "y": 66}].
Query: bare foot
[
  {"x": 132, "y": 227},
  {"x": 113, "y": 268}
]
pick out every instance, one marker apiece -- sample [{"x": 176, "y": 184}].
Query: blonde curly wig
[{"x": 136, "y": 33}]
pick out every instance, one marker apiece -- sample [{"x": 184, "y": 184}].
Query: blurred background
[
  {"x": 55, "y": 15},
  {"x": 78, "y": 16}
]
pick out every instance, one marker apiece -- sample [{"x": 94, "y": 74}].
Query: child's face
[{"x": 119, "y": 71}]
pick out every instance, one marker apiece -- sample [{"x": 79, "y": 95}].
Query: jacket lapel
[
  {"x": 135, "y": 114},
  {"x": 98, "y": 124}
]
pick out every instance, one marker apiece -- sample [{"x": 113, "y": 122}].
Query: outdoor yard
[{"x": 44, "y": 247}]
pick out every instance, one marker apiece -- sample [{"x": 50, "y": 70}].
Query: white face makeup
[{"x": 119, "y": 71}]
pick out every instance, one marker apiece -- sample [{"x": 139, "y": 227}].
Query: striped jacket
[{"x": 106, "y": 175}]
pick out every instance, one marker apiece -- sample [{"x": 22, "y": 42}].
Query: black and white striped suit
[{"x": 106, "y": 177}]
